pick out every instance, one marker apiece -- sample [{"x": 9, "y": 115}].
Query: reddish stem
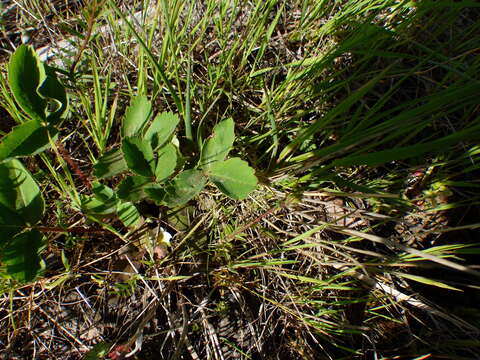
[{"x": 66, "y": 156}]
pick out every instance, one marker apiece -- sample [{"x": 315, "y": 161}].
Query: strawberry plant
[{"x": 149, "y": 153}]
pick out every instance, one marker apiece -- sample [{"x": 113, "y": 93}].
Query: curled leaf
[{"x": 25, "y": 75}]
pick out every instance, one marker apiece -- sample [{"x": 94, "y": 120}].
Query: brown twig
[
  {"x": 93, "y": 6},
  {"x": 73, "y": 229}
]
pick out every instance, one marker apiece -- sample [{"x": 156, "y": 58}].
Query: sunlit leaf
[
  {"x": 110, "y": 164},
  {"x": 166, "y": 162},
  {"x": 128, "y": 214},
  {"x": 217, "y": 147},
  {"x": 161, "y": 129},
  {"x": 138, "y": 155},
  {"x": 26, "y": 139},
  {"x": 104, "y": 201},
  {"x": 184, "y": 187},
  {"x": 233, "y": 177},
  {"x": 136, "y": 116},
  {"x": 25, "y": 74}
]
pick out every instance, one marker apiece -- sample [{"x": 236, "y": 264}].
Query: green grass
[{"x": 361, "y": 121}]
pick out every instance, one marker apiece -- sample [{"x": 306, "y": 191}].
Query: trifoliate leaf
[
  {"x": 132, "y": 188},
  {"x": 155, "y": 192}
]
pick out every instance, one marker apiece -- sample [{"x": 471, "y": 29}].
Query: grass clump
[{"x": 360, "y": 120}]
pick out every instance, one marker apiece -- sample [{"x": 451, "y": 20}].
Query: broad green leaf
[
  {"x": 184, "y": 187},
  {"x": 20, "y": 193},
  {"x": 21, "y": 256},
  {"x": 136, "y": 116},
  {"x": 161, "y": 129},
  {"x": 92, "y": 205},
  {"x": 217, "y": 147},
  {"x": 139, "y": 156},
  {"x": 155, "y": 192},
  {"x": 166, "y": 162},
  {"x": 10, "y": 224},
  {"x": 128, "y": 214},
  {"x": 26, "y": 139},
  {"x": 132, "y": 188},
  {"x": 53, "y": 90},
  {"x": 104, "y": 201},
  {"x": 25, "y": 74},
  {"x": 103, "y": 192},
  {"x": 110, "y": 164},
  {"x": 233, "y": 177}
]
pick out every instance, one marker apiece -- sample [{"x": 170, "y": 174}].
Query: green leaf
[
  {"x": 128, "y": 214},
  {"x": 21, "y": 256},
  {"x": 25, "y": 74},
  {"x": 155, "y": 193},
  {"x": 103, "y": 192},
  {"x": 92, "y": 205},
  {"x": 139, "y": 156},
  {"x": 26, "y": 139},
  {"x": 20, "y": 193},
  {"x": 233, "y": 177},
  {"x": 166, "y": 162},
  {"x": 136, "y": 116},
  {"x": 217, "y": 147},
  {"x": 104, "y": 201},
  {"x": 184, "y": 187},
  {"x": 98, "y": 352},
  {"x": 161, "y": 129},
  {"x": 110, "y": 164},
  {"x": 132, "y": 188},
  {"x": 406, "y": 152},
  {"x": 427, "y": 281},
  {"x": 53, "y": 90},
  {"x": 10, "y": 224}
]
